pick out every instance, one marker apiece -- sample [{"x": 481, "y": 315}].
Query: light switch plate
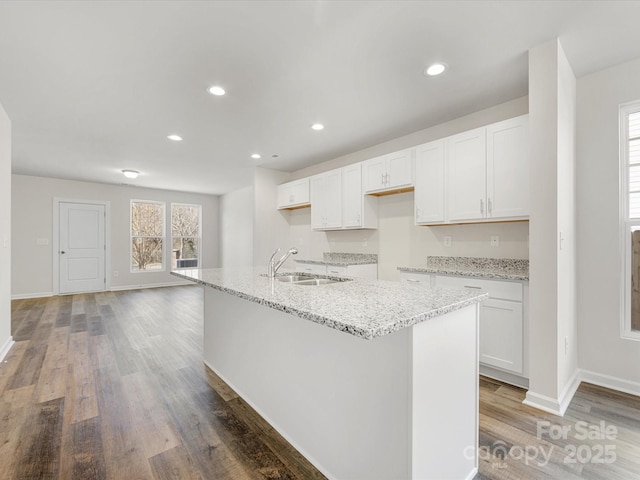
[
  {"x": 447, "y": 241},
  {"x": 42, "y": 241}
]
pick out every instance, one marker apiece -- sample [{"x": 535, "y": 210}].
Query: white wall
[
  {"x": 552, "y": 278},
  {"x": 270, "y": 227},
  {"x": 601, "y": 350},
  {"x": 236, "y": 228},
  {"x": 397, "y": 241},
  {"x": 32, "y": 218},
  {"x": 5, "y": 232}
]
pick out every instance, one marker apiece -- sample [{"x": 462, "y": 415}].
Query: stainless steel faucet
[{"x": 275, "y": 265}]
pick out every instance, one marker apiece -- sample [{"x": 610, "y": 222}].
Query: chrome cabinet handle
[
  {"x": 412, "y": 280},
  {"x": 481, "y": 207},
  {"x": 490, "y": 205},
  {"x": 471, "y": 286}
]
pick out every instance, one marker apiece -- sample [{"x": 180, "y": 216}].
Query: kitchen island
[{"x": 367, "y": 379}]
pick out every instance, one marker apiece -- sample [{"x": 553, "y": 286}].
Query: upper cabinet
[
  {"x": 466, "y": 155},
  {"x": 294, "y": 194},
  {"x": 338, "y": 203},
  {"x": 477, "y": 176},
  {"x": 326, "y": 200},
  {"x": 508, "y": 168},
  {"x": 430, "y": 177},
  {"x": 388, "y": 173},
  {"x": 358, "y": 210}
]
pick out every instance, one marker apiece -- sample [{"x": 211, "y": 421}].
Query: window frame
[
  {"x": 163, "y": 237},
  {"x": 626, "y": 223},
  {"x": 182, "y": 204}
]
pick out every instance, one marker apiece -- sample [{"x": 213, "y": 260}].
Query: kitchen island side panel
[
  {"x": 342, "y": 401},
  {"x": 356, "y": 409}
]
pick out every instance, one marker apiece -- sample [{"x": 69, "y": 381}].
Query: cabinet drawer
[
  {"x": 495, "y": 288},
  {"x": 312, "y": 268},
  {"x": 410, "y": 277},
  {"x": 337, "y": 270}
]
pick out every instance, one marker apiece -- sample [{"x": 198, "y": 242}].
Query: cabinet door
[
  {"x": 399, "y": 169},
  {"x": 467, "y": 176},
  {"x": 429, "y": 181},
  {"x": 293, "y": 193},
  {"x": 501, "y": 334},
  {"x": 352, "y": 196},
  {"x": 374, "y": 174},
  {"x": 326, "y": 200},
  {"x": 508, "y": 168}
]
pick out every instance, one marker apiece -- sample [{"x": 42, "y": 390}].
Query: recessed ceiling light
[
  {"x": 131, "y": 173},
  {"x": 435, "y": 69},
  {"x": 216, "y": 90},
  {"x": 317, "y": 126},
  {"x": 174, "y": 137},
  {"x": 256, "y": 156}
]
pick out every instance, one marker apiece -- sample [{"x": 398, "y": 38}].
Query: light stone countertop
[
  {"x": 364, "y": 308},
  {"x": 496, "y": 268}
]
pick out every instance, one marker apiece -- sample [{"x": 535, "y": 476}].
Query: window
[
  {"x": 185, "y": 235},
  {"x": 147, "y": 236},
  {"x": 630, "y": 190}
]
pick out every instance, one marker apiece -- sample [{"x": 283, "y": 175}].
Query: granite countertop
[
  {"x": 498, "y": 268},
  {"x": 364, "y": 308},
  {"x": 342, "y": 259}
]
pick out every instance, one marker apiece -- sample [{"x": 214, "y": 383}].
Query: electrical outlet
[
  {"x": 5, "y": 242},
  {"x": 42, "y": 241},
  {"x": 365, "y": 242},
  {"x": 495, "y": 241},
  {"x": 447, "y": 241},
  {"x": 116, "y": 273}
]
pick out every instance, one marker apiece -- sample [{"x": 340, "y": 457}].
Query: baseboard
[
  {"x": 6, "y": 347},
  {"x": 556, "y": 406},
  {"x": 607, "y": 381},
  {"x": 510, "y": 378},
  {"x": 149, "y": 285},
  {"x": 24, "y": 296}
]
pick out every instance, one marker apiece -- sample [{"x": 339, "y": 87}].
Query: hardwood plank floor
[{"x": 112, "y": 386}]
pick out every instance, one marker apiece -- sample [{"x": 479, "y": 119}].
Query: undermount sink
[
  {"x": 294, "y": 278},
  {"x": 316, "y": 281}
]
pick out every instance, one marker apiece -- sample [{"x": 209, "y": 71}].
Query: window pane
[
  {"x": 146, "y": 254},
  {"x": 147, "y": 219},
  {"x": 185, "y": 252},
  {"x": 635, "y": 278},
  {"x": 185, "y": 220},
  {"x": 634, "y": 205},
  {"x": 634, "y": 151},
  {"x": 634, "y": 125}
]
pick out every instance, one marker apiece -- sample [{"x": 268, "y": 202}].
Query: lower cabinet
[
  {"x": 503, "y": 343},
  {"x": 368, "y": 271}
]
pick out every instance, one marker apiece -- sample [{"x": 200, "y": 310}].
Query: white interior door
[{"x": 82, "y": 247}]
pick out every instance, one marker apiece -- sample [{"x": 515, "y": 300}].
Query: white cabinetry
[
  {"x": 368, "y": 271},
  {"x": 358, "y": 210},
  {"x": 326, "y": 200},
  {"x": 389, "y": 172},
  {"x": 293, "y": 194},
  {"x": 501, "y": 321},
  {"x": 466, "y": 154},
  {"x": 508, "y": 168},
  {"x": 429, "y": 183},
  {"x": 488, "y": 177}
]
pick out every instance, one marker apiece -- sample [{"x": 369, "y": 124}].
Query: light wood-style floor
[{"x": 112, "y": 386}]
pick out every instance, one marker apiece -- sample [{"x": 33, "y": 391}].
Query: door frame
[{"x": 56, "y": 239}]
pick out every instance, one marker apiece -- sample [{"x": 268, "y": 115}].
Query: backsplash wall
[{"x": 398, "y": 242}]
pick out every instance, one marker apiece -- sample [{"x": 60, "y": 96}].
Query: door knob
[{"x": 63, "y": 252}]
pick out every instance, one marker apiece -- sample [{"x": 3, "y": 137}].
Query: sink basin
[
  {"x": 316, "y": 281},
  {"x": 294, "y": 278}
]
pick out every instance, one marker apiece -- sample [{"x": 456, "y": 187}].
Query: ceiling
[{"x": 94, "y": 87}]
